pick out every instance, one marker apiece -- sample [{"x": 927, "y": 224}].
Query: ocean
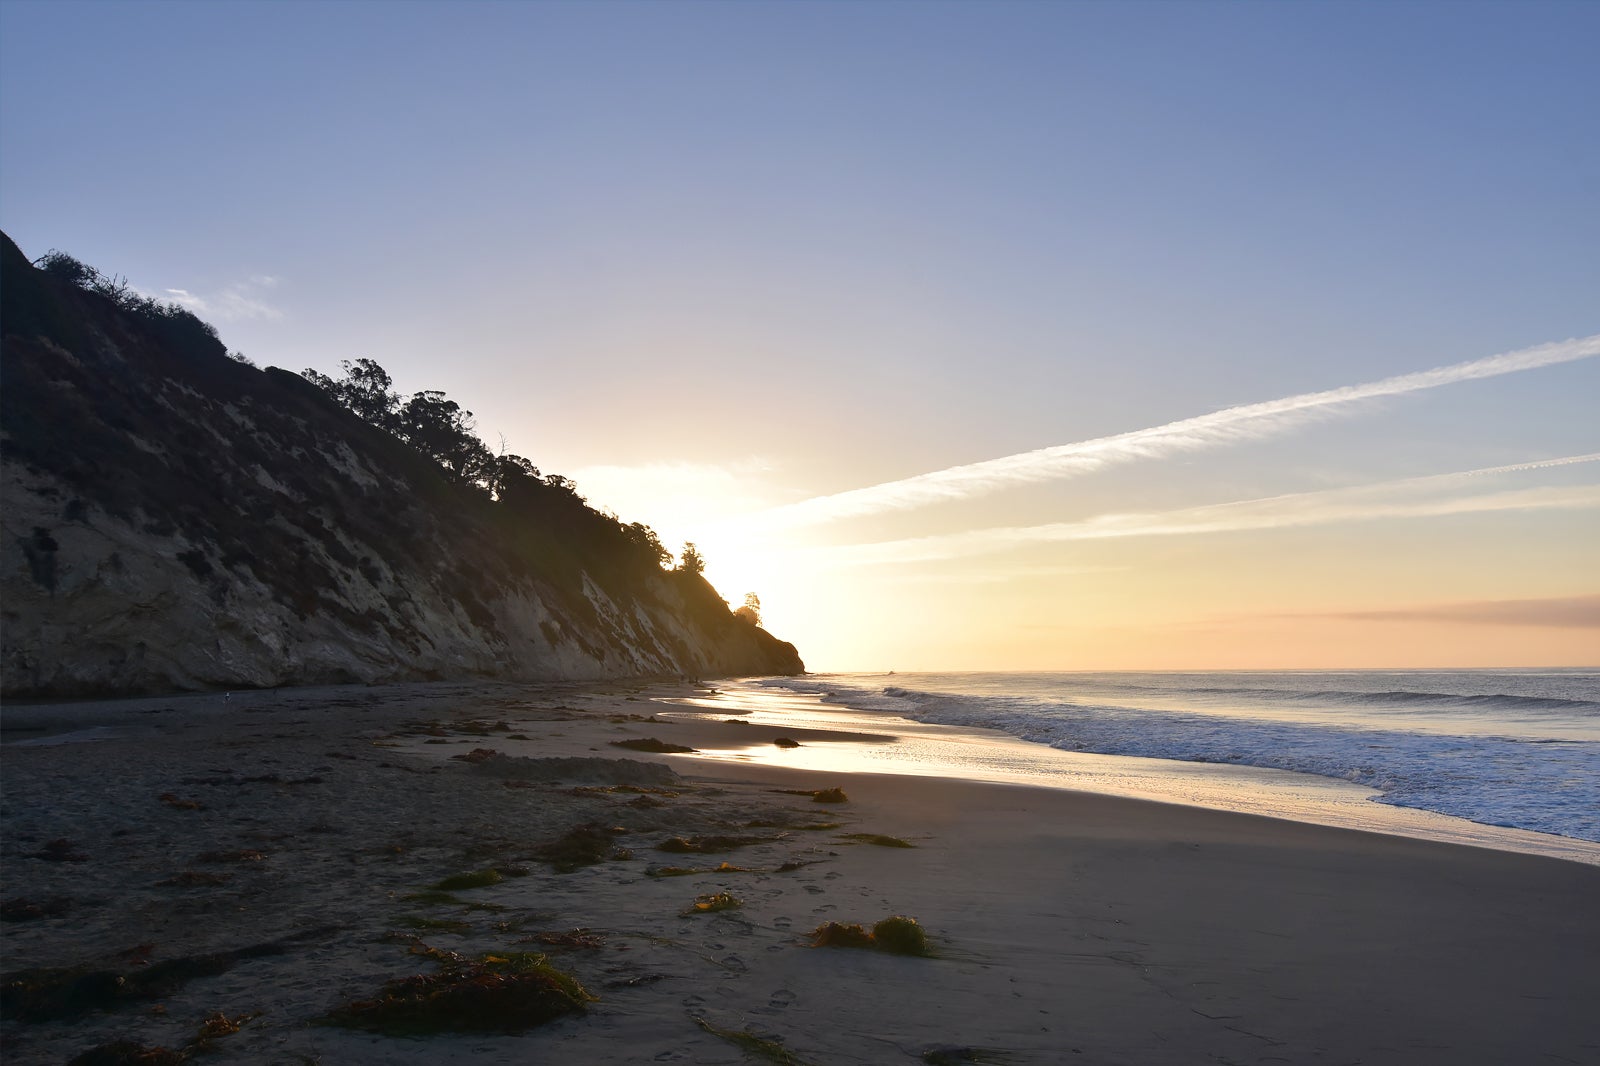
[{"x": 1518, "y": 749}]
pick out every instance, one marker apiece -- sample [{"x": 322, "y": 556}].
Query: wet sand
[{"x": 1066, "y": 927}]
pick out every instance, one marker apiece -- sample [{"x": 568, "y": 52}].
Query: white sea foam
[{"x": 1501, "y": 748}]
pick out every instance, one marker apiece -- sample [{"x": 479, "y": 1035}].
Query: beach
[{"x": 286, "y": 846}]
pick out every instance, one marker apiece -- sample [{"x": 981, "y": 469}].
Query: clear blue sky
[{"x": 715, "y": 258}]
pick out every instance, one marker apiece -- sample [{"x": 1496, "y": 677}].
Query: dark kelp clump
[
  {"x": 472, "y": 879},
  {"x": 900, "y": 935},
  {"x": 493, "y": 993},
  {"x": 818, "y": 795},
  {"x": 877, "y": 839},
  {"x": 583, "y": 845},
  {"x": 711, "y": 844},
  {"x": 840, "y": 935},
  {"x": 52, "y": 993},
  {"x": 129, "y": 1053},
  {"x": 651, "y": 744},
  {"x": 896, "y": 934}
]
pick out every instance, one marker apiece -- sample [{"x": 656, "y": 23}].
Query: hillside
[{"x": 176, "y": 519}]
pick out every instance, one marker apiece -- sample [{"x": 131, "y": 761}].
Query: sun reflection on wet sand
[{"x": 879, "y": 742}]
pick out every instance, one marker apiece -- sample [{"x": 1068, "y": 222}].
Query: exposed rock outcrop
[{"x": 175, "y": 519}]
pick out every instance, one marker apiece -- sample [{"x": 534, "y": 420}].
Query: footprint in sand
[
  {"x": 832, "y": 875},
  {"x": 782, "y": 998},
  {"x": 814, "y": 890},
  {"x": 782, "y": 923},
  {"x": 734, "y": 963}
]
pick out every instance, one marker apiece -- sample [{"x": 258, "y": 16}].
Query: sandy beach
[{"x": 272, "y": 857}]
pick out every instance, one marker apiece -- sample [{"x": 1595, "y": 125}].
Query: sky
[{"x": 967, "y": 335}]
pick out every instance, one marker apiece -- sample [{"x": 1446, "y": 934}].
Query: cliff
[{"x": 176, "y": 519}]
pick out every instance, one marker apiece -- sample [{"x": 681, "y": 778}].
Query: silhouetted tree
[
  {"x": 439, "y": 428},
  {"x": 750, "y": 611},
  {"x": 691, "y": 562},
  {"x": 366, "y": 389}
]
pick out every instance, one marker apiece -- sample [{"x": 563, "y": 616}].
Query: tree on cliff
[
  {"x": 750, "y": 610},
  {"x": 366, "y": 389},
  {"x": 691, "y": 563}
]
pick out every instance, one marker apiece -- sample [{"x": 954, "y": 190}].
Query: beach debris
[
  {"x": 128, "y": 1053},
  {"x": 477, "y": 755},
  {"x": 769, "y": 1049},
  {"x": 896, "y": 934},
  {"x": 877, "y": 839},
  {"x": 785, "y": 742},
  {"x": 652, "y": 745},
  {"x": 578, "y": 769},
  {"x": 506, "y": 993},
  {"x": 60, "y": 850},
  {"x": 177, "y": 804},
  {"x": 583, "y": 845},
  {"x": 840, "y": 935},
  {"x": 54, "y": 993},
  {"x": 472, "y": 879},
  {"x": 575, "y": 938},
  {"x": 18, "y": 909},
  {"x": 711, "y": 902},
  {"x": 818, "y": 795},
  {"x": 710, "y": 844},
  {"x": 955, "y": 1055},
  {"x": 685, "y": 871},
  {"x": 900, "y": 935}
]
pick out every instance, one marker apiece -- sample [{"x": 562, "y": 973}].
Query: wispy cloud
[
  {"x": 1565, "y": 612},
  {"x": 237, "y": 302},
  {"x": 1405, "y": 498},
  {"x": 1230, "y": 425}
]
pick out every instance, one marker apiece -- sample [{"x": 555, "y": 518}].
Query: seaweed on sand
[
  {"x": 576, "y": 938},
  {"x": 878, "y": 839},
  {"x": 840, "y": 935},
  {"x": 900, "y": 935},
  {"x": 472, "y": 879},
  {"x": 651, "y": 744},
  {"x": 504, "y": 993},
  {"x": 818, "y": 795},
  {"x": 745, "y": 1040},
  {"x": 128, "y": 1053},
  {"x": 52, "y": 993},
  {"x": 583, "y": 845},
  {"x": 896, "y": 934},
  {"x": 952, "y": 1055},
  {"x": 712, "y": 902},
  {"x": 713, "y": 843}
]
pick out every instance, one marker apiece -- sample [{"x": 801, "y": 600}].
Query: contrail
[
  {"x": 1354, "y": 504},
  {"x": 1247, "y": 422}
]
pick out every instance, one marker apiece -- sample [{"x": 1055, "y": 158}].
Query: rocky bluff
[{"x": 177, "y": 519}]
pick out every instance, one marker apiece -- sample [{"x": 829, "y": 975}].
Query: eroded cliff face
[{"x": 174, "y": 519}]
